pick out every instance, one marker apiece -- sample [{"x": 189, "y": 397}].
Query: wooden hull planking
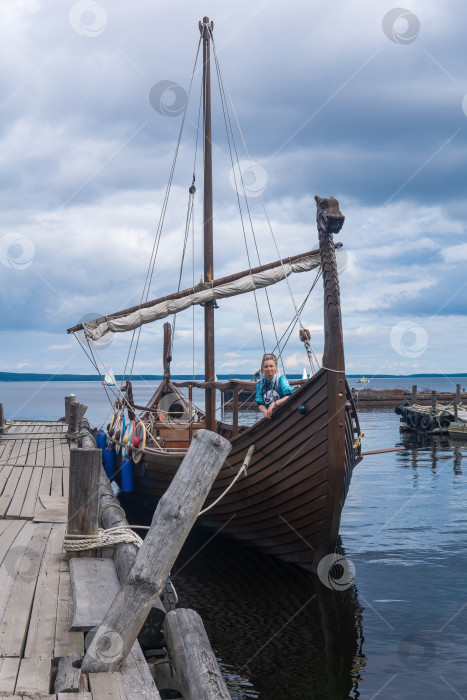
[{"x": 290, "y": 502}]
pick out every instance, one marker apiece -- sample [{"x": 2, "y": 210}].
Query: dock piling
[
  {"x": 74, "y": 418},
  {"x": 414, "y": 393},
  {"x": 433, "y": 399},
  {"x": 83, "y": 504},
  {"x": 457, "y": 401},
  {"x": 68, "y": 400},
  {"x": 2, "y": 420}
]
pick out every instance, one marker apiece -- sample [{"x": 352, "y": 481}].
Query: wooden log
[
  {"x": 86, "y": 440},
  {"x": 111, "y": 514},
  {"x": 433, "y": 399},
  {"x": 69, "y": 677},
  {"x": 173, "y": 519},
  {"x": 68, "y": 401},
  {"x": 83, "y": 502},
  {"x": 414, "y": 393},
  {"x": 190, "y": 652},
  {"x": 2, "y": 420}
]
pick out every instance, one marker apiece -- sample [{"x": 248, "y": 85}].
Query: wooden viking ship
[{"x": 284, "y": 483}]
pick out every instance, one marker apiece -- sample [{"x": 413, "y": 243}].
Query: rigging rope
[
  {"x": 155, "y": 248},
  {"x": 260, "y": 196},
  {"x": 222, "y": 89},
  {"x": 224, "y": 109},
  {"x": 189, "y": 217}
]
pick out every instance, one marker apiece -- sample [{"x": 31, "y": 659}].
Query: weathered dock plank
[
  {"x": 94, "y": 584},
  {"x": 23, "y": 532},
  {"x": 8, "y": 673},
  {"x": 42, "y": 625},
  {"x": 5, "y": 472},
  {"x": 49, "y": 452},
  {"x": 57, "y": 482},
  {"x": 9, "y": 490},
  {"x": 106, "y": 686},
  {"x": 15, "y": 450},
  {"x": 29, "y": 505},
  {"x": 15, "y": 620},
  {"x": 34, "y": 677},
  {"x": 16, "y": 504},
  {"x": 58, "y": 454},
  {"x": 7, "y": 446},
  {"x": 32, "y": 452},
  {"x": 66, "y": 642},
  {"x": 9, "y": 531}
]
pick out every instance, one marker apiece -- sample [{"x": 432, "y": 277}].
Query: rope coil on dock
[{"x": 104, "y": 538}]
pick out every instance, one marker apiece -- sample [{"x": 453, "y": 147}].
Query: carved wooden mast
[{"x": 209, "y": 368}]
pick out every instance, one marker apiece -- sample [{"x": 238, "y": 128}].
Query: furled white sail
[{"x": 201, "y": 294}]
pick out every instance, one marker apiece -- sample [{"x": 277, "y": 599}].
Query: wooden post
[
  {"x": 190, "y": 414},
  {"x": 457, "y": 401},
  {"x": 2, "y": 420},
  {"x": 190, "y": 652},
  {"x": 174, "y": 517},
  {"x": 235, "y": 413},
  {"x": 433, "y": 399},
  {"x": 83, "y": 501},
  {"x": 68, "y": 400},
  {"x": 414, "y": 393},
  {"x": 73, "y": 422}
]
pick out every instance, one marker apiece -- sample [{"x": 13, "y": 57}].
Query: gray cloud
[{"x": 327, "y": 103}]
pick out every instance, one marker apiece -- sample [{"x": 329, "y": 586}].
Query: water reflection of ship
[
  {"x": 278, "y": 632},
  {"x": 419, "y": 444}
]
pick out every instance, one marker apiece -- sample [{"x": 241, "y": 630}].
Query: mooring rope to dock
[
  {"x": 241, "y": 471},
  {"x": 104, "y": 538}
]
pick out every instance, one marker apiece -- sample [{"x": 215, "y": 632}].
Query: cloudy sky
[{"x": 364, "y": 101}]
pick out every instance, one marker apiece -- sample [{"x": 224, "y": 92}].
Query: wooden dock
[
  {"x": 35, "y": 589},
  {"x": 68, "y": 624}
]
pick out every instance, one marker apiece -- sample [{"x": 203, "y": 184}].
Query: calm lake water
[{"x": 398, "y": 632}]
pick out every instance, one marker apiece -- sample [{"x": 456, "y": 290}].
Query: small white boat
[
  {"x": 109, "y": 379},
  {"x": 363, "y": 380}
]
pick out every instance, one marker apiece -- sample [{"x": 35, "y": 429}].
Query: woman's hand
[{"x": 270, "y": 410}]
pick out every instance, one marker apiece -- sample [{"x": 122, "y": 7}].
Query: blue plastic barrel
[
  {"x": 126, "y": 475},
  {"x": 108, "y": 457},
  {"x": 101, "y": 439}
]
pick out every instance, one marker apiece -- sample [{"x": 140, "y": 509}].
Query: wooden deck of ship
[{"x": 35, "y": 589}]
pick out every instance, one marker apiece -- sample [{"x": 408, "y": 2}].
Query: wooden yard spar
[{"x": 289, "y": 505}]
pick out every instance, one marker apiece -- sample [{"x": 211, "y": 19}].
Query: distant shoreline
[{"x": 33, "y": 377}]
